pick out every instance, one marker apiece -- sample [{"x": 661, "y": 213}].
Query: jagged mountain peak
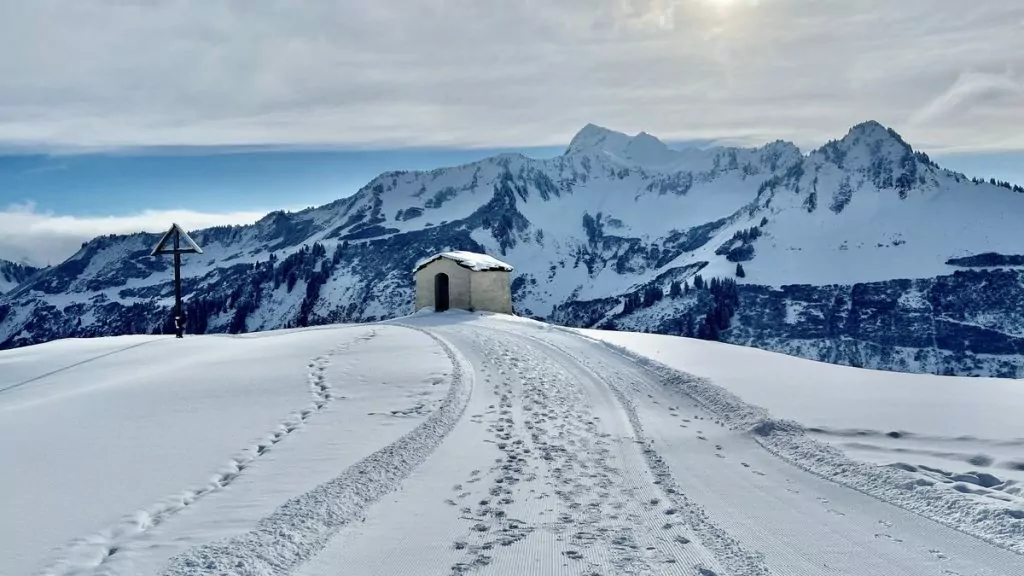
[
  {"x": 869, "y": 127},
  {"x": 875, "y": 136},
  {"x": 877, "y": 151}
]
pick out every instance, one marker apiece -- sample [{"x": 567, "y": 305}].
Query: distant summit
[{"x": 642, "y": 149}]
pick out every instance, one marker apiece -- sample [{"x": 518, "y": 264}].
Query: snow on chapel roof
[{"x": 471, "y": 260}]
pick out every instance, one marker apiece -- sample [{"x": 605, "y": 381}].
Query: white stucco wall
[
  {"x": 467, "y": 290},
  {"x": 491, "y": 291},
  {"x": 458, "y": 284}
]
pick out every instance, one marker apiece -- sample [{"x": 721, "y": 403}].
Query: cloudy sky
[{"x": 458, "y": 75}]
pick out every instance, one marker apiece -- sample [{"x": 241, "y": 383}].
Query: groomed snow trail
[
  {"x": 543, "y": 475},
  {"x": 575, "y": 459}
]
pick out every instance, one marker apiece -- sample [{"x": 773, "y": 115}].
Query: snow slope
[
  {"x": 454, "y": 443},
  {"x": 962, "y": 434},
  {"x": 129, "y": 436},
  {"x": 823, "y": 395}
]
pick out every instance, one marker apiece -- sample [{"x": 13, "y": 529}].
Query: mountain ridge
[{"x": 614, "y": 218}]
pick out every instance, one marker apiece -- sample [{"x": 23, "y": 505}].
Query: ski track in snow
[
  {"x": 89, "y": 553},
  {"x": 787, "y": 440},
  {"x": 75, "y": 365},
  {"x": 302, "y": 526}
]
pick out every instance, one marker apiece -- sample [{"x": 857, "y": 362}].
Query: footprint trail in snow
[{"x": 571, "y": 473}]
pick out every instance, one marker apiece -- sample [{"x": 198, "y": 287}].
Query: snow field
[
  {"x": 464, "y": 443},
  {"x": 955, "y": 425},
  {"x": 122, "y": 432},
  {"x": 242, "y": 412},
  {"x": 820, "y": 395}
]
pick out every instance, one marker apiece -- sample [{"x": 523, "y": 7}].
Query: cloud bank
[
  {"x": 38, "y": 238},
  {"x": 507, "y": 72}
]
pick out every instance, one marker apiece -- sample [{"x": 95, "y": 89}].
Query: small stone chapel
[{"x": 463, "y": 280}]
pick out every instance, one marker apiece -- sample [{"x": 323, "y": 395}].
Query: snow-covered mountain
[
  {"x": 12, "y": 274},
  {"x": 862, "y": 252}
]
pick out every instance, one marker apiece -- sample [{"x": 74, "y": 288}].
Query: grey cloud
[
  {"x": 39, "y": 238},
  {"x": 972, "y": 91},
  {"x": 506, "y": 73}
]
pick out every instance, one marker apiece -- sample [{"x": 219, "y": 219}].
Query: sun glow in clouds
[{"x": 724, "y": 6}]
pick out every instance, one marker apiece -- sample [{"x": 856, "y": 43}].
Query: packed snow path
[{"x": 572, "y": 459}]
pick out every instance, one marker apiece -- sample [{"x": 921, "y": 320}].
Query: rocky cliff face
[
  {"x": 12, "y": 274},
  {"x": 967, "y": 323},
  {"x": 863, "y": 252}
]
